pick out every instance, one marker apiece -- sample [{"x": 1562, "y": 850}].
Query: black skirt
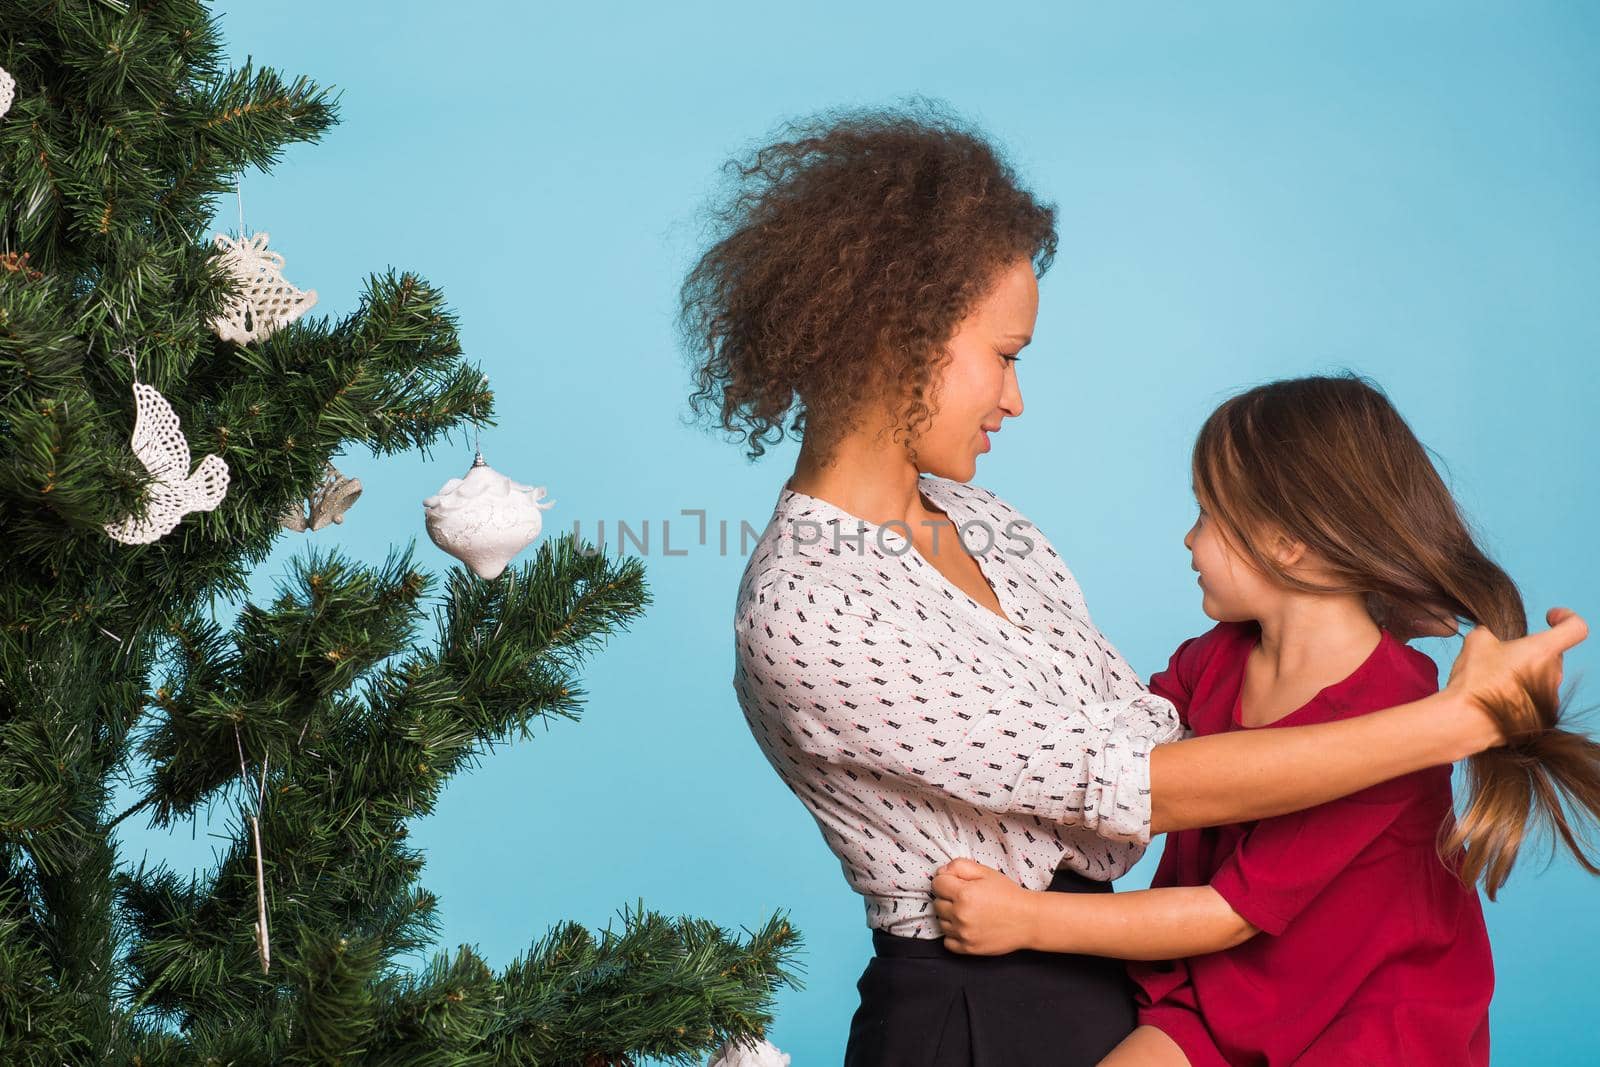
[{"x": 925, "y": 1006}]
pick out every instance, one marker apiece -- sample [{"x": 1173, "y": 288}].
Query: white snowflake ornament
[
  {"x": 264, "y": 301},
  {"x": 484, "y": 518},
  {"x": 761, "y": 1054},
  {"x": 159, "y": 444},
  {"x": 8, "y": 91}
]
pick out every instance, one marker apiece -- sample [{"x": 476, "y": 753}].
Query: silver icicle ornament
[{"x": 484, "y": 518}]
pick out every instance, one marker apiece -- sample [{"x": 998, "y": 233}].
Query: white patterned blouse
[{"x": 917, "y": 725}]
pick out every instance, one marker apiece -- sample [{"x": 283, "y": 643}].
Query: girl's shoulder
[
  {"x": 1200, "y": 670},
  {"x": 1223, "y": 646},
  {"x": 1395, "y": 673}
]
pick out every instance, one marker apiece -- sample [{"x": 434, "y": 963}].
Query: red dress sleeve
[
  {"x": 1282, "y": 863},
  {"x": 1177, "y": 681}
]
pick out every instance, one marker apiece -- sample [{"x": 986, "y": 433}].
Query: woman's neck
[{"x": 863, "y": 478}]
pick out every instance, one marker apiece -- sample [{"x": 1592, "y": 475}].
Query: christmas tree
[{"x": 331, "y": 718}]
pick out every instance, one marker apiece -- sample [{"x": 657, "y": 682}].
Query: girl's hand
[
  {"x": 1489, "y": 670},
  {"x": 983, "y": 912}
]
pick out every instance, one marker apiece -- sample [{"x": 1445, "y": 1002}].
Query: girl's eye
[{"x": 1009, "y": 357}]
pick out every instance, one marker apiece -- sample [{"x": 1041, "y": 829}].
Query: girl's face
[
  {"x": 1232, "y": 588},
  {"x": 977, "y": 389}
]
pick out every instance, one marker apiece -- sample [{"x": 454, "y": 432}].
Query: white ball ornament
[
  {"x": 484, "y": 518},
  {"x": 761, "y": 1054}
]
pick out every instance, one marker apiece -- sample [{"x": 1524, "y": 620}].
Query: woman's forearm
[
  {"x": 1255, "y": 774},
  {"x": 1146, "y": 924}
]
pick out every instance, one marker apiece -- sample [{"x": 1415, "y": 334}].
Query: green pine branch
[{"x": 356, "y": 694}]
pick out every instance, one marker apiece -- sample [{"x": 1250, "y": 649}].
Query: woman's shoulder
[
  {"x": 778, "y": 584},
  {"x": 1012, "y": 533},
  {"x": 981, "y": 502}
]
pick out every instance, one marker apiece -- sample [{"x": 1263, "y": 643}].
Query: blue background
[{"x": 1246, "y": 191}]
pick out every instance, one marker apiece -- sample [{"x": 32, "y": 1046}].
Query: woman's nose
[{"x": 1011, "y": 395}]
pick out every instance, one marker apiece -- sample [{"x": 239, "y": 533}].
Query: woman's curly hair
[{"x": 846, "y": 254}]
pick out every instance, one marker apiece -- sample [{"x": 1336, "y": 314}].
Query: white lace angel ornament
[
  {"x": 8, "y": 91},
  {"x": 159, "y": 444},
  {"x": 264, "y": 301},
  {"x": 484, "y": 518}
]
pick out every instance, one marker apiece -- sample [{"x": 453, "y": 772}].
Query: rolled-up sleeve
[{"x": 839, "y": 682}]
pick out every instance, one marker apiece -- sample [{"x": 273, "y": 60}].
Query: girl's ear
[{"x": 1287, "y": 551}]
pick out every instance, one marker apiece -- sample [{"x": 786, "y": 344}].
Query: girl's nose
[{"x": 1188, "y": 538}]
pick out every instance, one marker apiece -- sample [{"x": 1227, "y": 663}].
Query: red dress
[{"x": 1370, "y": 951}]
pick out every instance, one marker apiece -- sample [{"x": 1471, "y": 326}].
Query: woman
[{"x": 912, "y": 656}]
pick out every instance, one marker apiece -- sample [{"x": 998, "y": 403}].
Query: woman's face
[{"x": 978, "y": 388}]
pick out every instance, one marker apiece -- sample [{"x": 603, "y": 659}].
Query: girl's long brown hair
[{"x": 1330, "y": 462}]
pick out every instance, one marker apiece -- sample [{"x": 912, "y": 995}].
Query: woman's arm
[{"x": 1255, "y": 774}]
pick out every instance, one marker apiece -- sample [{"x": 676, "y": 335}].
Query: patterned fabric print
[{"x": 917, "y": 725}]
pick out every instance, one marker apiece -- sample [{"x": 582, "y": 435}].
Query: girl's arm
[
  {"x": 1246, "y": 775},
  {"x": 1146, "y": 924},
  {"x": 983, "y": 912},
  {"x": 1275, "y": 869}
]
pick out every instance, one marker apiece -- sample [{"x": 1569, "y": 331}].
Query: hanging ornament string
[
  {"x": 263, "y": 943},
  {"x": 477, "y": 445},
  {"x": 262, "y": 300}
]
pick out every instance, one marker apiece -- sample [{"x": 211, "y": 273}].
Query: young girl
[{"x": 1349, "y": 933}]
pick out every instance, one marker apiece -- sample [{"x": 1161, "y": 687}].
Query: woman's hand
[
  {"x": 983, "y": 912},
  {"x": 1490, "y": 671}
]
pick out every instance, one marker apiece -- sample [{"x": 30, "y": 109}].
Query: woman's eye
[{"x": 1009, "y": 357}]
